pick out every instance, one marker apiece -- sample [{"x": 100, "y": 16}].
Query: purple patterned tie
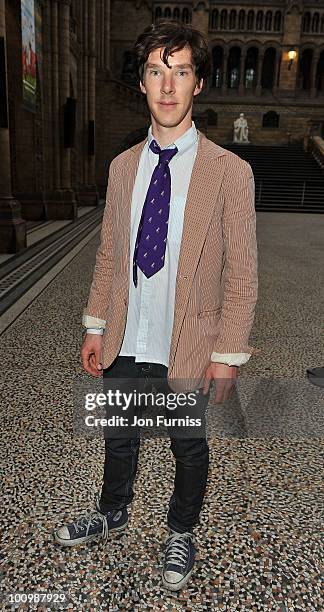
[{"x": 153, "y": 227}]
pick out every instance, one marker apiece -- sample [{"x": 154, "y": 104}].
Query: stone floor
[{"x": 259, "y": 541}]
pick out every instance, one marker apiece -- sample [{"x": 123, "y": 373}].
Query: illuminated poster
[{"x": 28, "y": 54}]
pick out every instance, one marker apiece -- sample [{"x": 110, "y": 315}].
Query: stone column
[
  {"x": 224, "y": 79},
  {"x": 313, "y": 73},
  {"x": 12, "y": 226},
  {"x": 258, "y": 88},
  {"x": 242, "y": 72},
  {"x": 87, "y": 193},
  {"x": 93, "y": 196},
  {"x": 48, "y": 98},
  {"x": 276, "y": 73},
  {"x": 107, "y": 34},
  {"x": 64, "y": 85},
  {"x": 61, "y": 202},
  {"x": 55, "y": 99}
]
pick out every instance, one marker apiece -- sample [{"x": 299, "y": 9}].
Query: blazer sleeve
[
  {"x": 94, "y": 315},
  {"x": 239, "y": 275}
]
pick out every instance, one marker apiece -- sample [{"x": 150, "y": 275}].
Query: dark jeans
[{"x": 121, "y": 456}]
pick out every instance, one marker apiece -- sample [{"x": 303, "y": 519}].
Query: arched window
[
  {"x": 306, "y": 22},
  {"x": 268, "y": 21},
  {"x": 268, "y": 68},
  {"x": 304, "y": 69},
  {"x": 176, "y": 13},
  {"x": 217, "y": 70},
  {"x": 277, "y": 21},
  {"x": 185, "y": 15},
  {"x": 250, "y": 20},
  {"x": 158, "y": 13},
  {"x": 232, "y": 20},
  {"x": 320, "y": 73},
  {"x": 270, "y": 120},
  {"x": 211, "y": 117},
  {"x": 167, "y": 13},
  {"x": 223, "y": 19},
  {"x": 214, "y": 20},
  {"x": 322, "y": 24},
  {"x": 259, "y": 20},
  {"x": 315, "y": 22},
  {"x": 233, "y": 67},
  {"x": 241, "y": 23},
  {"x": 250, "y": 70}
]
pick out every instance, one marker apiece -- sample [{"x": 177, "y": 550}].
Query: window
[
  {"x": 277, "y": 21},
  {"x": 249, "y": 78},
  {"x": 241, "y": 23},
  {"x": 176, "y": 13},
  {"x": 158, "y": 13},
  {"x": 234, "y": 78},
  {"x": 268, "y": 20},
  {"x": 232, "y": 20},
  {"x": 186, "y": 15},
  {"x": 214, "y": 19},
  {"x": 315, "y": 22},
  {"x": 259, "y": 20},
  {"x": 223, "y": 19},
  {"x": 211, "y": 117},
  {"x": 306, "y": 22},
  {"x": 270, "y": 120},
  {"x": 250, "y": 20}
]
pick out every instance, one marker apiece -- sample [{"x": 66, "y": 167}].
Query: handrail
[{"x": 299, "y": 190}]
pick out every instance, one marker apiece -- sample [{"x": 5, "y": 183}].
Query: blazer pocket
[{"x": 209, "y": 313}]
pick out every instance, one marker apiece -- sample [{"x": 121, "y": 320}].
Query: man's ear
[
  {"x": 142, "y": 87},
  {"x": 199, "y": 87}
]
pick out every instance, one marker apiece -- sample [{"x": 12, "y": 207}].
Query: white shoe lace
[
  {"x": 177, "y": 547},
  {"x": 90, "y": 518}
]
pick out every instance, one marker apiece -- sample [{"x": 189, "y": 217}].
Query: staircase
[{"x": 287, "y": 179}]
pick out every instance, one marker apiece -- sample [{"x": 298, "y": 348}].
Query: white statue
[{"x": 241, "y": 130}]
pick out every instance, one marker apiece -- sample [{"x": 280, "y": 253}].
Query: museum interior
[{"x": 70, "y": 102}]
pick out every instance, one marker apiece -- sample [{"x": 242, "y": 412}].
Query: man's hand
[
  {"x": 224, "y": 376},
  {"x": 91, "y": 354}
]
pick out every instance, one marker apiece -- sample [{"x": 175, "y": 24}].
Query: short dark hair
[{"x": 173, "y": 36}]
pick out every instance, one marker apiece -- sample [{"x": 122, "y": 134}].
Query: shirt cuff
[
  {"x": 231, "y": 359},
  {"x": 93, "y": 322},
  {"x": 95, "y": 330}
]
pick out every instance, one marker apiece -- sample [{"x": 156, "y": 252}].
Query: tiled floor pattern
[{"x": 259, "y": 541}]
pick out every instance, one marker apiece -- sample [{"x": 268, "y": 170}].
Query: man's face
[{"x": 170, "y": 91}]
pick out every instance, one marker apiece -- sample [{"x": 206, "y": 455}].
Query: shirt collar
[{"x": 183, "y": 143}]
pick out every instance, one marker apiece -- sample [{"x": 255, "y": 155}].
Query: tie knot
[{"x": 165, "y": 155}]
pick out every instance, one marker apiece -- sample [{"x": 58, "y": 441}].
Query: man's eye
[
  {"x": 182, "y": 72},
  {"x": 153, "y": 71}
]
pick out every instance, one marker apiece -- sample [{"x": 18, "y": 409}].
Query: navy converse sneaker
[
  {"x": 90, "y": 525},
  {"x": 179, "y": 560}
]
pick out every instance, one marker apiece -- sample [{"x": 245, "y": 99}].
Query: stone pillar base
[
  {"x": 61, "y": 204},
  {"x": 88, "y": 195},
  {"x": 32, "y": 206},
  {"x": 12, "y": 227}
]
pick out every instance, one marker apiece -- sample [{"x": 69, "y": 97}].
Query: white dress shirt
[{"x": 150, "y": 313}]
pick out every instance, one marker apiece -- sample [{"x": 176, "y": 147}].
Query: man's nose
[{"x": 167, "y": 85}]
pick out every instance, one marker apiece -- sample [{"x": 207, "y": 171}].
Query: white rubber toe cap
[
  {"x": 173, "y": 577},
  {"x": 63, "y": 533}
]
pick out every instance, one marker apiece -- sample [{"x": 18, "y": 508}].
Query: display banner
[{"x": 28, "y": 54}]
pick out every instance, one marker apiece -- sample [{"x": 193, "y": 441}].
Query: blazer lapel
[{"x": 201, "y": 201}]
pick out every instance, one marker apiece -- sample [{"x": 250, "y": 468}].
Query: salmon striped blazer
[{"x": 216, "y": 283}]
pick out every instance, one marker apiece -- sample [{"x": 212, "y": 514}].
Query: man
[{"x": 175, "y": 281}]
